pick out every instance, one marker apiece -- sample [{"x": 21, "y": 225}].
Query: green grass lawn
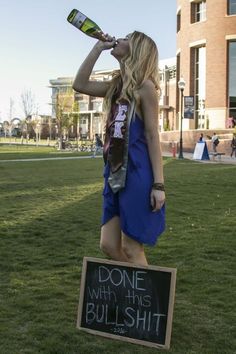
[
  {"x": 50, "y": 219},
  {"x": 12, "y": 152}
]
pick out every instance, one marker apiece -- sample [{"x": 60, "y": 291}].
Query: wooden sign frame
[{"x": 169, "y": 316}]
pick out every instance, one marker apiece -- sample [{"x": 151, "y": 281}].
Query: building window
[
  {"x": 232, "y": 78},
  {"x": 169, "y": 73},
  {"x": 79, "y": 96},
  {"x": 198, "y": 84},
  {"x": 64, "y": 89},
  {"x": 198, "y": 11},
  {"x": 178, "y": 21},
  {"x": 97, "y": 106},
  {"x": 231, "y": 7},
  {"x": 172, "y": 72},
  {"x": 161, "y": 76},
  {"x": 83, "y": 106}
]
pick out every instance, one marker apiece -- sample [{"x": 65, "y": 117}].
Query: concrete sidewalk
[
  {"x": 224, "y": 159},
  {"x": 54, "y": 158}
]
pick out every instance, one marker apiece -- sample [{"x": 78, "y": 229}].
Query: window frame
[
  {"x": 228, "y": 8},
  {"x": 199, "y": 102},
  {"x": 198, "y": 14},
  {"x": 178, "y": 21},
  {"x": 230, "y": 107}
]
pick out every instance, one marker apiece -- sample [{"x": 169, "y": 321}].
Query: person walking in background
[
  {"x": 134, "y": 215},
  {"x": 201, "y": 140},
  {"x": 233, "y": 146},
  {"x": 98, "y": 145},
  {"x": 215, "y": 142}
]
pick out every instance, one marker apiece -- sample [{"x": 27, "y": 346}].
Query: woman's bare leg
[
  {"x": 110, "y": 242},
  {"x": 134, "y": 251}
]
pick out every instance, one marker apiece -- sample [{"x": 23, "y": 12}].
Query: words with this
[{"x": 106, "y": 294}]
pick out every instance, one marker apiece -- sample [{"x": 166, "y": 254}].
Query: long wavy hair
[{"x": 139, "y": 65}]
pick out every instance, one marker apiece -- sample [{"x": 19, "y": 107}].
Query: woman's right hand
[{"x": 106, "y": 45}]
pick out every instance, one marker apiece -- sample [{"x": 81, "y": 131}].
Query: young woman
[{"x": 135, "y": 215}]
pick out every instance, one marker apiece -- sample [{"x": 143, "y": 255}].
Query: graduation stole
[
  {"x": 117, "y": 129},
  {"x": 119, "y": 142}
]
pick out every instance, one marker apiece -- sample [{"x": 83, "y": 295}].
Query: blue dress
[{"x": 132, "y": 204}]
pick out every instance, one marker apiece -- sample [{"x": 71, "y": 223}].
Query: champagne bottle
[{"x": 86, "y": 25}]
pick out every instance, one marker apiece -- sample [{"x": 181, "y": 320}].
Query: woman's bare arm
[
  {"x": 81, "y": 82},
  {"x": 149, "y": 108}
]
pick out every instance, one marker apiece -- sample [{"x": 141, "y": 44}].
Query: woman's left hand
[{"x": 157, "y": 199}]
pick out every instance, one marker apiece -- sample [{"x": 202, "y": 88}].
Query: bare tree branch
[
  {"x": 28, "y": 102},
  {"x": 11, "y": 108}
]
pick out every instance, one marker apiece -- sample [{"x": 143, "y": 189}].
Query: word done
[{"x": 120, "y": 277}]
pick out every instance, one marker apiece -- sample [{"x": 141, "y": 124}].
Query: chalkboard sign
[{"x": 127, "y": 302}]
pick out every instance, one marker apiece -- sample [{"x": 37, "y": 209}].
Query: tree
[
  {"x": 28, "y": 102},
  {"x": 11, "y": 108},
  {"x": 28, "y": 106},
  {"x": 63, "y": 110},
  {"x": 5, "y": 126},
  {"x": 37, "y": 127},
  {"x": 75, "y": 119},
  {"x": 11, "y": 121}
]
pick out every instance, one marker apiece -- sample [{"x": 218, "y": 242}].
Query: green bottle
[{"x": 84, "y": 24}]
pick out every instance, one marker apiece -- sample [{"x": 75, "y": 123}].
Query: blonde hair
[{"x": 139, "y": 65}]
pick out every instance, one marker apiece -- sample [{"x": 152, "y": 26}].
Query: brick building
[{"x": 206, "y": 59}]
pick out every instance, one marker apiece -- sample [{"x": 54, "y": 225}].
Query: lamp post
[{"x": 181, "y": 86}]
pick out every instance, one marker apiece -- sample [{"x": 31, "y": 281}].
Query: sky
[{"x": 38, "y": 44}]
